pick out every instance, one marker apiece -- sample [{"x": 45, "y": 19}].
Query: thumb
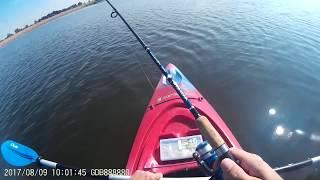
[
  {"x": 158, "y": 176},
  {"x": 232, "y": 171}
]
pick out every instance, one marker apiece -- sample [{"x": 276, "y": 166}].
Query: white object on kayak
[{"x": 178, "y": 148}]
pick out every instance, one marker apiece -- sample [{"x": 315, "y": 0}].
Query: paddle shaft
[
  {"x": 287, "y": 168},
  {"x": 208, "y": 131},
  {"x": 298, "y": 165},
  {"x": 51, "y": 164},
  {"x": 54, "y": 165}
]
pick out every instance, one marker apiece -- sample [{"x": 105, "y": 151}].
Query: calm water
[{"x": 73, "y": 88}]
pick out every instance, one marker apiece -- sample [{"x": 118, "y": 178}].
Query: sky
[{"x": 18, "y": 13}]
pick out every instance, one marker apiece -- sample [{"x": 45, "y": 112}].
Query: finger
[
  {"x": 137, "y": 175},
  {"x": 232, "y": 171},
  {"x": 253, "y": 164},
  {"x": 153, "y": 176},
  {"x": 248, "y": 161},
  {"x": 157, "y": 176},
  {"x": 240, "y": 154}
]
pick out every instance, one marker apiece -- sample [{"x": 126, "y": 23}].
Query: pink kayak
[{"x": 168, "y": 135}]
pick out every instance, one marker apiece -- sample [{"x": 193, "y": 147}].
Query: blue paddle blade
[{"x": 17, "y": 154}]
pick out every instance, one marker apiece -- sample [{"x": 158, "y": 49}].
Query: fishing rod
[{"x": 207, "y": 130}]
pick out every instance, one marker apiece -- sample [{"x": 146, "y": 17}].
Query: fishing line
[
  {"x": 145, "y": 74},
  {"x": 114, "y": 15}
]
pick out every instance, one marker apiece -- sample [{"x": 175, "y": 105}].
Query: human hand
[
  {"x": 252, "y": 167},
  {"x": 145, "y": 175}
]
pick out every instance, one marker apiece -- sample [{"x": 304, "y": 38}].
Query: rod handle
[{"x": 209, "y": 132}]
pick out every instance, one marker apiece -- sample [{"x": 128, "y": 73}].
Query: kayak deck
[{"x": 167, "y": 117}]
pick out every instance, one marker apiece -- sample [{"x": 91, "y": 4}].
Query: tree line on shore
[{"x": 53, "y": 13}]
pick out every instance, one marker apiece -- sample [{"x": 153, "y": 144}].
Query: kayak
[{"x": 168, "y": 134}]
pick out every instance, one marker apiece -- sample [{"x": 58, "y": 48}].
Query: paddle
[
  {"x": 20, "y": 155},
  {"x": 206, "y": 128}
]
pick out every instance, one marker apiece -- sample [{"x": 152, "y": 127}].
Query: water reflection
[
  {"x": 279, "y": 131},
  {"x": 272, "y": 111},
  {"x": 285, "y": 133},
  {"x": 299, "y": 131},
  {"x": 315, "y": 137}
]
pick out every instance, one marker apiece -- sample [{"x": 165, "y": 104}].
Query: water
[{"x": 73, "y": 89}]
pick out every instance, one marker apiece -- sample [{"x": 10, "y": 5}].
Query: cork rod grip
[{"x": 209, "y": 132}]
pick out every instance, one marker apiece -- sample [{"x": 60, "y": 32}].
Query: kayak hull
[{"x": 167, "y": 117}]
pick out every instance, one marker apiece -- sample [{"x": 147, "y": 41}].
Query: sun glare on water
[
  {"x": 279, "y": 130},
  {"x": 272, "y": 111}
]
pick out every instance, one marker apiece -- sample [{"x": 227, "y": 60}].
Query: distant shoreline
[{"x": 36, "y": 25}]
